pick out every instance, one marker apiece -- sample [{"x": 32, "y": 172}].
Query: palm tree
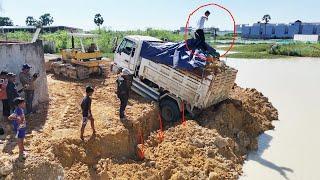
[
  {"x": 266, "y": 18},
  {"x": 98, "y": 20}
]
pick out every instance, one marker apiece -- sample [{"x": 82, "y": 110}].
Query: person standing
[
  {"x": 86, "y": 111},
  {"x": 27, "y": 82},
  {"x": 123, "y": 89},
  {"x": 199, "y": 34},
  {"x": 3, "y": 94},
  {"x": 12, "y": 92}
]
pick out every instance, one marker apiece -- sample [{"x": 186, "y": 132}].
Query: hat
[
  {"x": 11, "y": 74},
  {"x": 18, "y": 100},
  {"x": 26, "y": 66},
  {"x": 126, "y": 72},
  {"x": 89, "y": 89},
  {"x": 4, "y": 73}
]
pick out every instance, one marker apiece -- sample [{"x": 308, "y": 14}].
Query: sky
[{"x": 160, "y": 14}]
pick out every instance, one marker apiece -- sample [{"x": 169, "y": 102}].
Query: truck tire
[{"x": 169, "y": 110}]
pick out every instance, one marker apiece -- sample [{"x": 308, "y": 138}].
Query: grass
[
  {"x": 297, "y": 49},
  {"x": 269, "y": 51},
  {"x": 254, "y": 55},
  {"x": 108, "y": 55},
  {"x": 250, "y": 48}
]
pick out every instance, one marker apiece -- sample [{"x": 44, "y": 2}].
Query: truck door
[{"x": 125, "y": 54}]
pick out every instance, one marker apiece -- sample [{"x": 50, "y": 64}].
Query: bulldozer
[{"x": 80, "y": 63}]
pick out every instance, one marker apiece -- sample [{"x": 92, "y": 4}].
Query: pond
[{"x": 292, "y": 150}]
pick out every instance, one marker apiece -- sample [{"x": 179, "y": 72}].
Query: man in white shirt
[{"x": 199, "y": 34}]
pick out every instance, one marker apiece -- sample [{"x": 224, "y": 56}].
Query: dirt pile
[
  {"x": 53, "y": 132},
  {"x": 187, "y": 152},
  {"x": 35, "y": 167},
  {"x": 242, "y": 118},
  {"x": 212, "y": 147}
]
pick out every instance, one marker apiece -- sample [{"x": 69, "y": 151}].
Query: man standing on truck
[
  {"x": 123, "y": 89},
  {"x": 199, "y": 34}
]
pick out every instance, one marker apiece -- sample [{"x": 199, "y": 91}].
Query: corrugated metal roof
[{"x": 33, "y": 27}]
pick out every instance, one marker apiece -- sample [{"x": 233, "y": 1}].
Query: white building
[{"x": 279, "y": 31}]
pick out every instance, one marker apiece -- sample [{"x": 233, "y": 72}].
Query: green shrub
[{"x": 17, "y": 36}]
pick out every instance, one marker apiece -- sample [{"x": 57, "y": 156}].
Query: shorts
[{"x": 20, "y": 133}]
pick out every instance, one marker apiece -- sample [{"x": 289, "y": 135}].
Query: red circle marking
[{"x": 187, "y": 27}]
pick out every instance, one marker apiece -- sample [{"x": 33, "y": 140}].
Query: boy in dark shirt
[
  {"x": 19, "y": 125},
  {"x": 86, "y": 111}
]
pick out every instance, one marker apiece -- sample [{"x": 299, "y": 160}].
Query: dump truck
[
  {"x": 175, "y": 89},
  {"x": 78, "y": 62}
]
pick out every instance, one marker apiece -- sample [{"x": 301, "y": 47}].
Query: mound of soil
[
  {"x": 34, "y": 167},
  {"x": 212, "y": 147}
]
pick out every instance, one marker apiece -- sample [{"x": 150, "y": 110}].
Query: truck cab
[{"x": 127, "y": 54}]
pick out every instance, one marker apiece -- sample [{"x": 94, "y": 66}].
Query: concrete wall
[
  {"x": 306, "y": 38},
  {"x": 13, "y": 56}
]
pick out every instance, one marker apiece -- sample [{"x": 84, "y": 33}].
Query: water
[{"x": 292, "y": 150}]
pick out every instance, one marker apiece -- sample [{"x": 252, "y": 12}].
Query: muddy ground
[{"x": 213, "y": 146}]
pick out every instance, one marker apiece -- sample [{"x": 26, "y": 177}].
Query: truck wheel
[{"x": 169, "y": 110}]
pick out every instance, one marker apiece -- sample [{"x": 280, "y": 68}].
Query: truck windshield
[{"x": 126, "y": 46}]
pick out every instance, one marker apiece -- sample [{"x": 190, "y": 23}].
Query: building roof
[{"x": 34, "y": 27}]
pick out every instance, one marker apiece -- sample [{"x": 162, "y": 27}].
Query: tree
[
  {"x": 46, "y": 20},
  {"x": 266, "y": 18},
  {"x": 30, "y": 21},
  {"x": 98, "y": 20},
  {"x": 5, "y": 21}
]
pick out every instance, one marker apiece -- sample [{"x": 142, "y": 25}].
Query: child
[
  {"x": 19, "y": 124},
  {"x": 86, "y": 111},
  {"x": 3, "y": 94}
]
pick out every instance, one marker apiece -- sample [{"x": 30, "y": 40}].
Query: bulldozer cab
[{"x": 82, "y": 53}]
